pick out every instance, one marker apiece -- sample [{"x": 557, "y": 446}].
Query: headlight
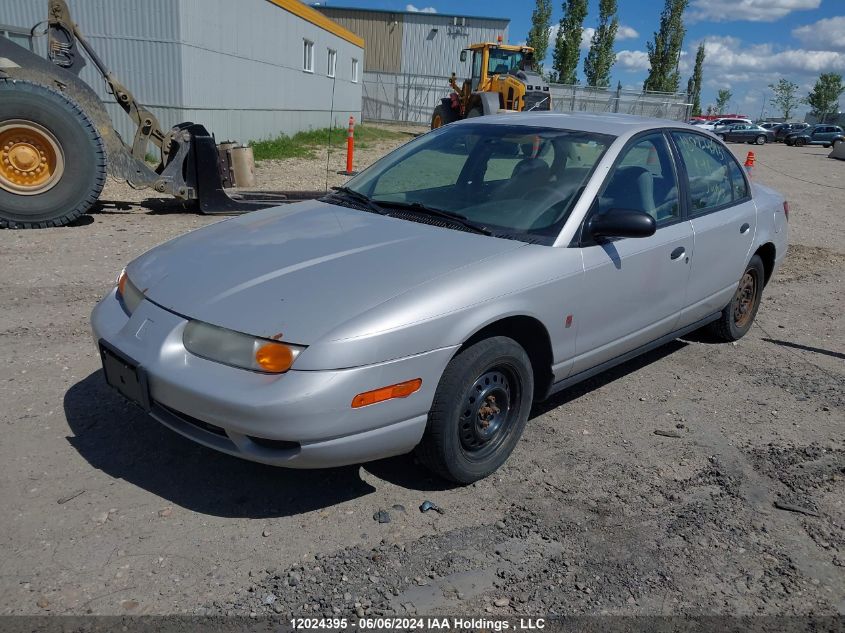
[
  {"x": 128, "y": 293},
  {"x": 239, "y": 350}
]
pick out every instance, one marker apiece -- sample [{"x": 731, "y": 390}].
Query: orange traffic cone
[{"x": 749, "y": 162}]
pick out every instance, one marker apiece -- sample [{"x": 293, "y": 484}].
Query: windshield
[
  {"x": 501, "y": 61},
  {"x": 519, "y": 182}
]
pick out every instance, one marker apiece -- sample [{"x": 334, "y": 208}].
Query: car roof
[{"x": 596, "y": 122}]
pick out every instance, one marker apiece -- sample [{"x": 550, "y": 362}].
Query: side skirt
[{"x": 663, "y": 340}]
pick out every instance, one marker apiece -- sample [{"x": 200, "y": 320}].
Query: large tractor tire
[{"x": 52, "y": 158}]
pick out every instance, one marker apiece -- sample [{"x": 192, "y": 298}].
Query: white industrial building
[{"x": 247, "y": 70}]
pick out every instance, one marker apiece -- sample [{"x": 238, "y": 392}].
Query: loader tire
[{"x": 52, "y": 158}]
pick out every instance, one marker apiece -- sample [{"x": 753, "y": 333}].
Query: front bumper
[{"x": 300, "y": 419}]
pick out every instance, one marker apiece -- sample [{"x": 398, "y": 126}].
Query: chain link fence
[{"x": 393, "y": 97}]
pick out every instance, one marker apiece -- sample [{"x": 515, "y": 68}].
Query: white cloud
[
  {"x": 726, "y": 55},
  {"x": 751, "y": 10},
  {"x": 632, "y": 60},
  {"x": 413, "y": 9},
  {"x": 826, "y": 34},
  {"x": 626, "y": 32}
]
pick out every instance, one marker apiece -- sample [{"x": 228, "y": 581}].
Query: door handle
[
  {"x": 744, "y": 228},
  {"x": 678, "y": 253}
]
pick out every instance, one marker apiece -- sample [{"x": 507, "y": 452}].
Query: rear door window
[{"x": 715, "y": 178}]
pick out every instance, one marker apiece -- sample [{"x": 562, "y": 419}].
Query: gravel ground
[{"x": 651, "y": 489}]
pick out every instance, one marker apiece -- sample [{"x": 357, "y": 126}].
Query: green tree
[
  {"x": 824, "y": 97},
  {"x": 600, "y": 58},
  {"x": 722, "y": 98},
  {"x": 664, "y": 53},
  {"x": 538, "y": 36},
  {"x": 568, "y": 40},
  {"x": 785, "y": 96},
  {"x": 694, "y": 83}
]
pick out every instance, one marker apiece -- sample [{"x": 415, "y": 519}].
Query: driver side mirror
[
  {"x": 463, "y": 55},
  {"x": 622, "y": 223}
]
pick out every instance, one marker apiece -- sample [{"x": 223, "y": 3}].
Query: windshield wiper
[
  {"x": 360, "y": 197},
  {"x": 457, "y": 218}
]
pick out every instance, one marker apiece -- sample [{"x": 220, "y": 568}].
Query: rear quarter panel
[{"x": 772, "y": 224}]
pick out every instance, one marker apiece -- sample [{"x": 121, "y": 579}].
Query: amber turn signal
[
  {"x": 274, "y": 357},
  {"x": 400, "y": 390}
]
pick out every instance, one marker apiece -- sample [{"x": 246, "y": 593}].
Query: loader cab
[{"x": 490, "y": 60}]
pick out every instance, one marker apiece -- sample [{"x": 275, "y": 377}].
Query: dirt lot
[{"x": 105, "y": 511}]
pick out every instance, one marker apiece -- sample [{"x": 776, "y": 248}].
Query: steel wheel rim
[
  {"x": 488, "y": 411},
  {"x": 744, "y": 299},
  {"x": 31, "y": 158}
]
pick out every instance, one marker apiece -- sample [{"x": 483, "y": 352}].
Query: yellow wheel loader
[
  {"x": 502, "y": 79},
  {"x": 57, "y": 142}
]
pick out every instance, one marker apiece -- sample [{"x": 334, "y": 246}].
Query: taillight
[{"x": 786, "y": 209}]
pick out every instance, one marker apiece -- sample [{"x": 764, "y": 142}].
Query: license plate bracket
[{"x": 125, "y": 375}]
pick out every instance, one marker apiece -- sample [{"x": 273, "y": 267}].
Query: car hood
[{"x": 301, "y": 270}]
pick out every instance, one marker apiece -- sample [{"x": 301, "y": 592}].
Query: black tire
[
  {"x": 84, "y": 172},
  {"x": 474, "y": 112},
  {"x": 738, "y": 316},
  {"x": 760, "y": 140},
  {"x": 722, "y": 136},
  {"x": 465, "y": 440},
  {"x": 799, "y": 142},
  {"x": 438, "y": 117},
  {"x": 826, "y": 145}
]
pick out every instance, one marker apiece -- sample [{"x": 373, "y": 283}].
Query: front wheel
[
  {"x": 738, "y": 316},
  {"x": 479, "y": 411},
  {"x": 52, "y": 158},
  {"x": 438, "y": 118},
  {"x": 760, "y": 140},
  {"x": 799, "y": 142}
]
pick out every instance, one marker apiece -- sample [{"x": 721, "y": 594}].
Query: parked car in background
[
  {"x": 768, "y": 125},
  {"x": 746, "y": 133},
  {"x": 717, "y": 124},
  {"x": 785, "y": 129},
  {"x": 824, "y": 135},
  {"x": 429, "y": 302}
]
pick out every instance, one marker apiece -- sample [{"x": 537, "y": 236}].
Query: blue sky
[{"x": 749, "y": 43}]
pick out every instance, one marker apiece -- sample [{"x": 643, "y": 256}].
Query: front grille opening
[
  {"x": 276, "y": 445},
  {"x": 205, "y": 426}
]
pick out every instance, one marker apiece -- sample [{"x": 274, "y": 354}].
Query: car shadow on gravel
[{"x": 122, "y": 441}]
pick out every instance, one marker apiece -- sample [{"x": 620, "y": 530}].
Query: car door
[
  {"x": 723, "y": 217},
  {"x": 636, "y": 287}
]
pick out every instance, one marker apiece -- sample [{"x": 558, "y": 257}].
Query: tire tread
[{"x": 101, "y": 159}]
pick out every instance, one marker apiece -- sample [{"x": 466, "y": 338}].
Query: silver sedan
[{"x": 431, "y": 301}]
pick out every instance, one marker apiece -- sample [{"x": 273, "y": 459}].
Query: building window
[
  {"x": 332, "y": 66},
  {"x": 308, "y": 56},
  {"x": 355, "y": 71}
]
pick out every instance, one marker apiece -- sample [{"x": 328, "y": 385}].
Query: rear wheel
[
  {"x": 479, "y": 411},
  {"x": 738, "y": 316},
  {"x": 799, "y": 142},
  {"x": 52, "y": 159},
  {"x": 760, "y": 140}
]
